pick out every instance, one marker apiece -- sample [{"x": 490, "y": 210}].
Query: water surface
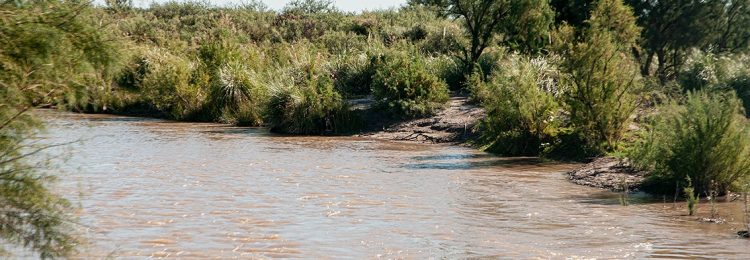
[{"x": 154, "y": 188}]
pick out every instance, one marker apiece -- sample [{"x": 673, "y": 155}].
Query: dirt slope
[{"x": 454, "y": 124}]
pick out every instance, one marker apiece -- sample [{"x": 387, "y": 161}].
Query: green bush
[
  {"x": 310, "y": 105},
  {"x": 741, "y": 85},
  {"x": 167, "y": 85},
  {"x": 708, "y": 71},
  {"x": 238, "y": 96},
  {"x": 404, "y": 87},
  {"x": 353, "y": 75},
  {"x": 448, "y": 69},
  {"x": 706, "y": 139},
  {"x": 522, "y": 110}
]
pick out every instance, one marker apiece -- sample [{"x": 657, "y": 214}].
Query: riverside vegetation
[{"x": 665, "y": 84}]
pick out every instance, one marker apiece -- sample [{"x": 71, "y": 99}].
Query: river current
[{"x": 155, "y": 188}]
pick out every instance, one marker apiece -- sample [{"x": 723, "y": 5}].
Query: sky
[{"x": 345, "y": 5}]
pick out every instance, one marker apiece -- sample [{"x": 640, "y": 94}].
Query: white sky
[{"x": 345, "y": 5}]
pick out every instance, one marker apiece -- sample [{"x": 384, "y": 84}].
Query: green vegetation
[
  {"x": 522, "y": 109},
  {"x": 706, "y": 140},
  {"x": 692, "y": 200},
  {"x": 403, "y": 86},
  {"x": 310, "y": 105},
  {"x": 71, "y": 65},
  {"x": 562, "y": 79},
  {"x": 601, "y": 77}
]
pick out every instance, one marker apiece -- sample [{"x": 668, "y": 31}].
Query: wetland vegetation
[{"x": 664, "y": 85}]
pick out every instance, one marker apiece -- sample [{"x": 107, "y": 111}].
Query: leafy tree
[
  {"x": 572, "y": 12},
  {"x": 523, "y": 23},
  {"x": 673, "y": 28},
  {"x": 601, "y": 76},
  {"x": 528, "y": 29},
  {"x": 734, "y": 27},
  {"x": 49, "y": 50},
  {"x": 309, "y": 7}
]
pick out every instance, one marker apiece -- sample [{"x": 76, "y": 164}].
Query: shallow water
[{"x": 163, "y": 189}]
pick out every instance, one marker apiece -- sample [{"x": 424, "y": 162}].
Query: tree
[
  {"x": 673, "y": 28},
  {"x": 601, "y": 76},
  {"x": 522, "y": 23},
  {"x": 704, "y": 139},
  {"x": 38, "y": 70},
  {"x": 572, "y": 12},
  {"x": 529, "y": 27},
  {"x": 734, "y": 27},
  {"x": 309, "y": 7}
]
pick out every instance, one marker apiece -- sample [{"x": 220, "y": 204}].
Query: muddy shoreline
[{"x": 455, "y": 125}]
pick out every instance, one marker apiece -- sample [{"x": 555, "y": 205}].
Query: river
[{"x": 155, "y": 188}]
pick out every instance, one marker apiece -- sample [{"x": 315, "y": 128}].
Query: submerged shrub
[
  {"x": 404, "y": 87},
  {"x": 521, "y": 106},
  {"x": 689, "y": 193},
  {"x": 311, "y": 105},
  {"x": 706, "y": 139}
]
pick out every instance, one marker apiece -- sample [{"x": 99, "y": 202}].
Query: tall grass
[{"x": 310, "y": 104}]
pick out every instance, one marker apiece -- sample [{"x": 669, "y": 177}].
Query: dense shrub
[
  {"x": 706, "y": 139},
  {"x": 310, "y": 105},
  {"x": 404, "y": 87},
  {"x": 166, "y": 85},
  {"x": 238, "y": 96},
  {"x": 522, "y": 110},
  {"x": 446, "y": 40},
  {"x": 448, "y": 69},
  {"x": 712, "y": 72},
  {"x": 601, "y": 77},
  {"x": 353, "y": 75}
]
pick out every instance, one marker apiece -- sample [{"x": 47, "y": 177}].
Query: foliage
[
  {"x": 692, "y": 200},
  {"x": 717, "y": 72},
  {"x": 310, "y": 105},
  {"x": 522, "y": 110},
  {"x": 404, "y": 87},
  {"x": 166, "y": 84},
  {"x": 673, "y": 28},
  {"x": 238, "y": 96},
  {"x": 529, "y": 29},
  {"x": 706, "y": 139},
  {"x": 522, "y": 23},
  {"x": 601, "y": 77},
  {"x": 309, "y": 6},
  {"x": 74, "y": 55},
  {"x": 353, "y": 75}
]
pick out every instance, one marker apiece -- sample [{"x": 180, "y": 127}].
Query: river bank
[{"x": 455, "y": 125}]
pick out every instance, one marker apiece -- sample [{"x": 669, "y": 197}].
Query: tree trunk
[
  {"x": 661, "y": 71},
  {"x": 646, "y": 65}
]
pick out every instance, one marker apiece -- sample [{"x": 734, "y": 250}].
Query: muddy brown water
[{"x": 154, "y": 188}]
